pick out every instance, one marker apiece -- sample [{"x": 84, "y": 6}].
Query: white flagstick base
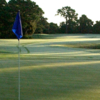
[{"x": 19, "y": 70}]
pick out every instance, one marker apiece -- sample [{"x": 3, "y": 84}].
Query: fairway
[{"x": 51, "y": 70}]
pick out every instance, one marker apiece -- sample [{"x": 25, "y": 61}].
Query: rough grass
[{"x": 49, "y": 73}]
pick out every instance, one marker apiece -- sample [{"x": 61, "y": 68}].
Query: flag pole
[
  {"x": 19, "y": 69},
  {"x": 17, "y": 30}
]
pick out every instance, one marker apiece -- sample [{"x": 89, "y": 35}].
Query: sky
[{"x": 91, "y": 8}]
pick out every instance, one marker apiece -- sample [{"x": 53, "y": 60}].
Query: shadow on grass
[
  {"x": 87, "y": 46},
  {"x": 47, "y": 36},
  {"x": 5, "y": 52},
  {"x": 28, "y": 51}
]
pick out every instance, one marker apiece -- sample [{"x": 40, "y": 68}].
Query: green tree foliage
[
  {"x": 70, "y": 16},
  {"x": 96, "y": 27},
  {"x": 42, "y": 26},
  {"x": 30, "y": 14},
  {"x": 62, "y": 27},
  {"x": 4, "y": 15},
  {"x": 34, "y": 22},
  {"x": 85, "y": 24},
  {"x": 53, "y": 28}
]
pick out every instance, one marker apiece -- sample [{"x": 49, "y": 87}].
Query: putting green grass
[{"x": 57, "y": 74}]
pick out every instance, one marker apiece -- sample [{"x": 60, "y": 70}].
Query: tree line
[{"x": 33, "y": 21}]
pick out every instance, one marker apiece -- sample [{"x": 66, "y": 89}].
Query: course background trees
[
  {"x": 42, "y": 26},
  {"x": 30, "y": 14},
  {"x": 34, "y": 22},
  {"x": 62, "y": 27},
  {"x": 70, "y": 16},
  {"x": 85, "y": 24},
  {"x": 96, "y": 27},
  {"x": 4, "y": 16},
  {"x": 53, "y": 28}
]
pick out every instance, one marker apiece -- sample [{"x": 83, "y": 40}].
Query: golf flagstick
[
  {"x": 19, "y": 70},
  {"x": 17, "y": 30}
]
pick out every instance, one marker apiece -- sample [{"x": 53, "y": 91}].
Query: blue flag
[{"x": 17, "y": 27}]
